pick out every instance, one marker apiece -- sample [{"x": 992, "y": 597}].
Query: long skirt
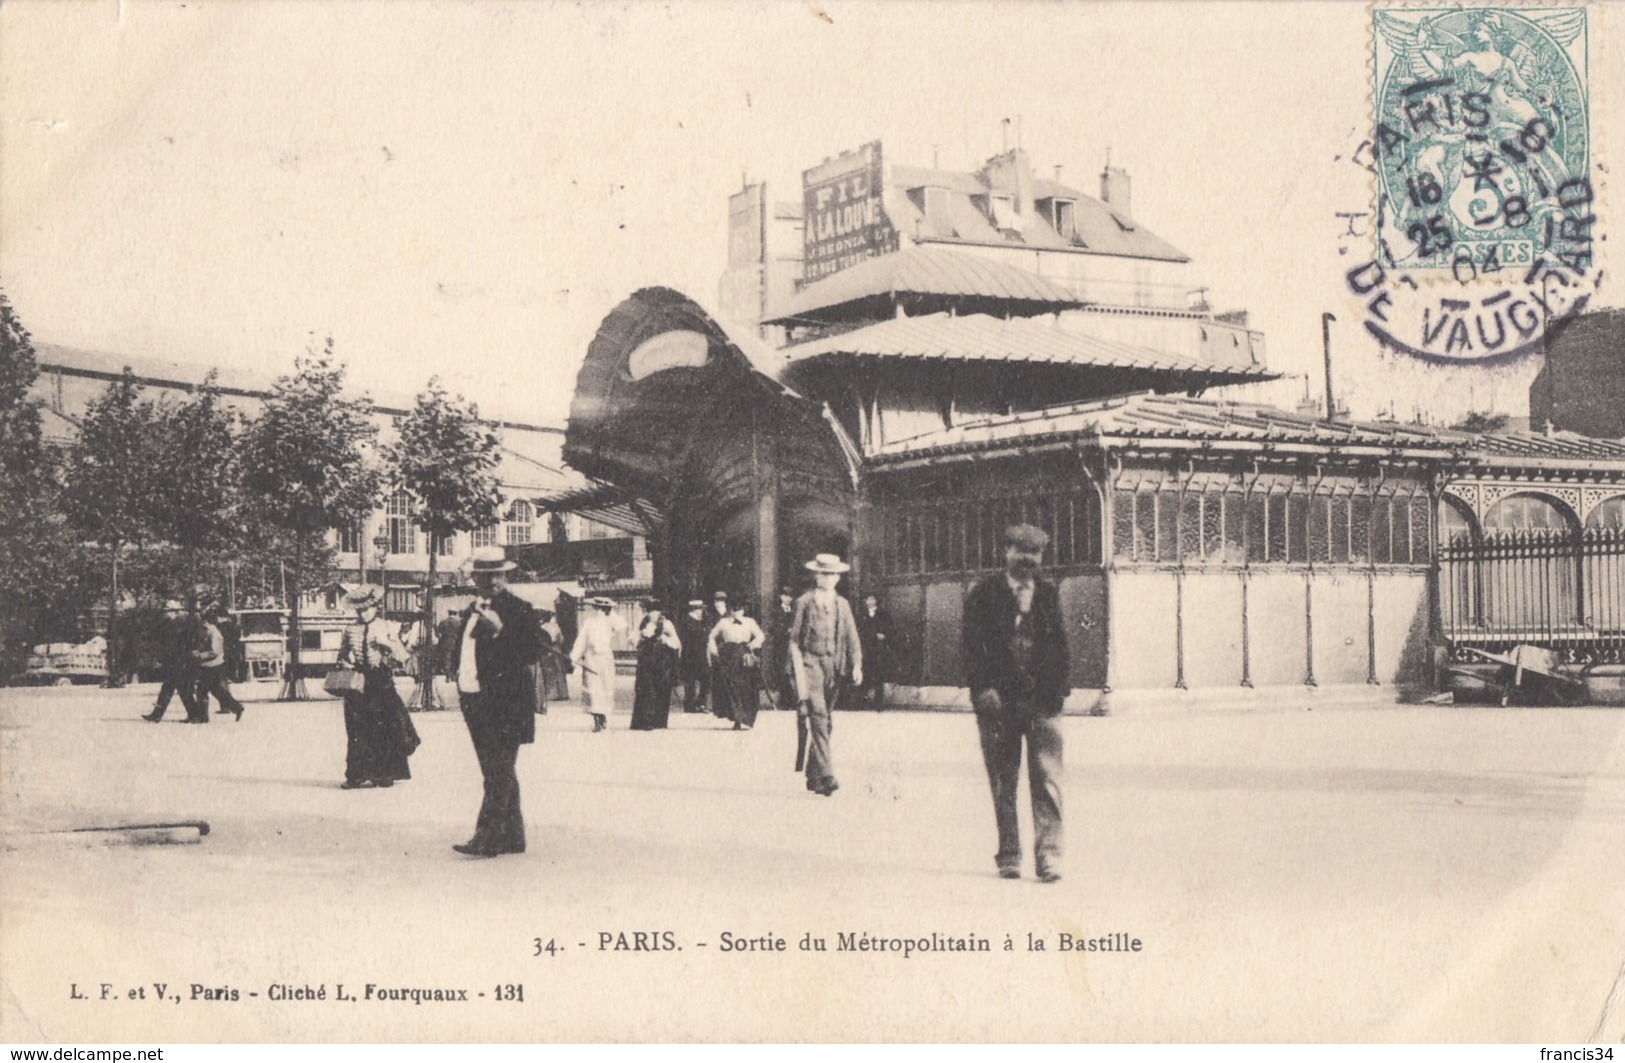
[
  {"x": 554, "y": 664},
  {"x": 737, "y": 685},
  {"x": 379, "y": 734},
  {"x": 651, "y": 696}
]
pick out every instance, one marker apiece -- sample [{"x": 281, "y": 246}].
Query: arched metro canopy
[
  {"x": 660, "y": 374},
  {"x": 746, "y": 474}
]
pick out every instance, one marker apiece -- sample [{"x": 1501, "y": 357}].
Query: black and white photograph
[{"x": 811, "y": 522}]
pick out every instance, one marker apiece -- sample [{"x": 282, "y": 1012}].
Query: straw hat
[
  {"x": 364, "y": 595},
  {"x": 828, "y": 563},
  {"x": 490, "y": 559}
]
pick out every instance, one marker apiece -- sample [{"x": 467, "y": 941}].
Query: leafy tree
[
  {"x": 109, "y": 484},
  {"x": 1479, "y": 421},
  {"x": 304, "y": 469},
  {"x": 31, "y": 543},
  {"x": 195, "y": 506},
  {"x": 446, "y": 459}
]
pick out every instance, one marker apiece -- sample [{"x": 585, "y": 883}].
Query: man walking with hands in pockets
[
  {"x": 825, "y": 653},
  {"x": 1016, "y": 666},
  {"x": 500, "y": 640}
]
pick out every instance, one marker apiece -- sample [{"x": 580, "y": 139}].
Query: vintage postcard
[{"x": 811, "y": 522}]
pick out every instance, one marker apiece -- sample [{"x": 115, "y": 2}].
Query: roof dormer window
[
  {"x": 1064, "y": 216},
  {"x": 935, "y": 201},
  {"x": 1001, "y": 207}
]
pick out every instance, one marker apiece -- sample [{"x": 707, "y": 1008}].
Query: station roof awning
[
  {"x": 928, "y": 278},
  {"x": 1151, "y": 418},
  {"x": 605, "y": 503},
  {"x": 981, "y": 338}
]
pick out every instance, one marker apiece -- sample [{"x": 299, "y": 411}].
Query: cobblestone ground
[{"x": 1374, "y": 874}]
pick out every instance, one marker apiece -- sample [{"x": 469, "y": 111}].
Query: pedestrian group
[{"x": 506, "y": 661}]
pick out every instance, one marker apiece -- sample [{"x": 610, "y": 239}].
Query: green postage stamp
[{"x": 1482, "y": 141}]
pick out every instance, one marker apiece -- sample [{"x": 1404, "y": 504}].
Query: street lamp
[{"x": 380, "y": 542}]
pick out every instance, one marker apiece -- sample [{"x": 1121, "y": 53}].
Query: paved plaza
[{"x": 1373, "y": 873}]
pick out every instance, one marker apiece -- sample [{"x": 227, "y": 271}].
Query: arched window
[
  {"x": 1610, "y": 513},
  {"x": 1529, "y": 576},
  {"x": 1603, "y": 557},
  {"x": 518, "y": 527},
  {"x": 1526, "y": 513},
  {"x": 1456, "y": 523},
  {"x": 1459, "y": 599}
]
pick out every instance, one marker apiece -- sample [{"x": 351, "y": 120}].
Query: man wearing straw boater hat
[
  {"x": 497, "y": 690},
  {"x": 825, "y": 654},
  {"x": 1016, "y": 666}
]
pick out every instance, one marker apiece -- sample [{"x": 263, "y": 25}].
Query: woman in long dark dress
[
  {"x": 658, "y": 647},
  {"x": 554, "y": 660},
  {"x": 378, "y": 731},
  {"x": 736, "y": 642}
]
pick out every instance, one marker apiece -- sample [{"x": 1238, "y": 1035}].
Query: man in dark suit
[
  {"x": 498, "y": 646},
  {"x": 176, "y": 637},
  {"x": 694, "y": 631},
  {"x": 1016, "y": 666}
]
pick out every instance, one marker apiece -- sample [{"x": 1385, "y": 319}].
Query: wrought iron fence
[{"x": 1536, "y": 587}]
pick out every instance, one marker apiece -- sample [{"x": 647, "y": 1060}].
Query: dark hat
[
  {"x": 653, "y": 603},
  {"x": 1026, "y": 538}
]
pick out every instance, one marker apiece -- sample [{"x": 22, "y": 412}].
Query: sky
[{"x": 465, "y": 189}]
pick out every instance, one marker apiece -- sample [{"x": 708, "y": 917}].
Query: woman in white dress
[{"x": 594, "y": 657}]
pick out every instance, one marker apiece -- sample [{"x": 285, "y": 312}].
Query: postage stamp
[{"x": 1481, "y": 147}]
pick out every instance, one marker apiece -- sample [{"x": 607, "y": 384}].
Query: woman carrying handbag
[{"x": 379, "y": 735}]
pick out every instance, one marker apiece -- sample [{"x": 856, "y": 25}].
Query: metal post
[{"x": 1326, "y": 320}]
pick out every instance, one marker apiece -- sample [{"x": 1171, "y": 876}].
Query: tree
[
  {"x": 195, "y": 505},
  {"x": 446, "y": 459},
  {"x": 31, "y": 543},
  {"x": 1480, "y": 422},
  {"x": 304, "y": 469},
  {"x": 109, "y": 483}
]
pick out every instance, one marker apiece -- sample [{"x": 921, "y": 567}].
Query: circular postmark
[{"x": 1480, "y": 151}]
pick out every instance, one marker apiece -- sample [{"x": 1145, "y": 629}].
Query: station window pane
[
  {"x": 1360, "y": 530},
  {"x": 1318, "y": 534},
  {"x": 1277, "y": 528},
  {"x": 1167, "y": 529}
]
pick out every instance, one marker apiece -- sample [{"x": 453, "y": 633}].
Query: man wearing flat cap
[
  {"x": 500, "y": 641},
  {"x": 825, "y": 654},
  {"x": 1016, "y": 665}
]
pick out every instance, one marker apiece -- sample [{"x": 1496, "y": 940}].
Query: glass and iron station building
[{"x": 909, "y": 359}]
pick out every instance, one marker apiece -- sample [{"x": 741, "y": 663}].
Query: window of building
[
  {"x": 486, "y": 536},
  {"x": 519, "y": 527},
  {"x": 398, "y": 514},
  {"x": 448, "y": 545},
  {"x": 936, "y": 202},
  {"x": 350, "y": 539},
  {"x": 1066, "y": 219},
  {"x": 1610, "y": 513},
  {"x": 1232, "y": 527},
  {"x": 968, "y": 536}
]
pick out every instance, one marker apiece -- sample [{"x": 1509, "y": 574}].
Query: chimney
[
  {"x": 1114, "y": 190},
  {"x": 1024, "y": 181}
]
